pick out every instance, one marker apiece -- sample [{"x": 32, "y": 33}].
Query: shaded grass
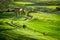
[
  {"x": 7, "y": 15},
  {"x": 12, "y": 35}
]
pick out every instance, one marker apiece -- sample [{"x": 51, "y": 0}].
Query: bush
[{"x": 58, "y": 8}]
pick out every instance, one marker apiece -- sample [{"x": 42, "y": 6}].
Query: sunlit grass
[
  {"x": 23, "y": 2},
  {"x": 49, "y": 7},
  {"x": 46, "y": 23}
]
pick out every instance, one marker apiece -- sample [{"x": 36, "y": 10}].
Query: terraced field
[{"x": 43, "y": 26}]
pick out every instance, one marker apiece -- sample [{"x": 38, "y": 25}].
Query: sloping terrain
[{"x": 43, "y": 25}]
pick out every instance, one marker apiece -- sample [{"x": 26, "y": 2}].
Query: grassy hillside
[{"x": 43, "y": 25}]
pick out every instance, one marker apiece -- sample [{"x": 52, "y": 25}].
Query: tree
[{"x": 4, "y": 3}]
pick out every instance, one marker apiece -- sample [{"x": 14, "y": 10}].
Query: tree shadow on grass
[
  {"x": 21, "y": 37},
  {"x": 9, "y": 35},
  {"x": 6, "y": 15},
  {"x": 5, "y": 30}
]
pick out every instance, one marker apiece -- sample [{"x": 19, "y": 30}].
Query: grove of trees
[{"x": 4, "y": 3}]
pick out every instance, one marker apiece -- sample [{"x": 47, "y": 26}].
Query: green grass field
[{"x": 43, "y": 26}]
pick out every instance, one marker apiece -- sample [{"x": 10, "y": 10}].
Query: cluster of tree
[{"x": 4, "y": 4}]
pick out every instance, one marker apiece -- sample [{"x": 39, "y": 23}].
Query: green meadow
[{"x": 43, "y": 25}]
